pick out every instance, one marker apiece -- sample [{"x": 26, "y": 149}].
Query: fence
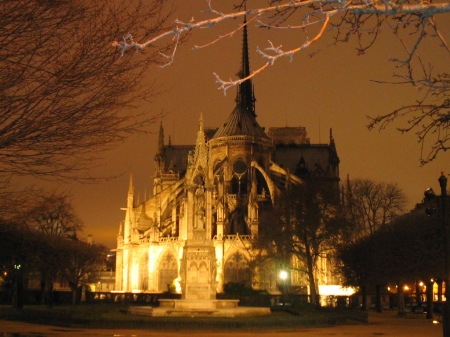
[{"x": 33, "y": 297}]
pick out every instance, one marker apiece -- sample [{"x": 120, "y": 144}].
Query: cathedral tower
[{"x": 236, "y": 147}]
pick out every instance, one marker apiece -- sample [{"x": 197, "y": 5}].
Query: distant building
[{"x": 215, "y": 189}]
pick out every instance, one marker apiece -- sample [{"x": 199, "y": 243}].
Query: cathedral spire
[
  {"x": 201, "y": 127},
  {"x": 242, "y": 120},
  {"x": 245, "y": 96},
  {"x": 130, "y": 199},
  {"x": 159, "y": 157},
  {"x": 199, "y": 160},
  {"x": 161, "y": 139}
]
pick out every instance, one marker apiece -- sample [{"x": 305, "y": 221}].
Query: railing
[
  {"x": 233, "y": 237},
  {"x": 169, "y": 239},
  {"x": 162, "y": 239},
  {"x": 128, "y": 298},
  {"x": 229, "y": 237}
]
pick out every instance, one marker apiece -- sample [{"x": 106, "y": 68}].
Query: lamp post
[
  {"x": 442, "y": 201},
  {"x": 283, "y": 276},
  {"x": 443, "y": 205}
]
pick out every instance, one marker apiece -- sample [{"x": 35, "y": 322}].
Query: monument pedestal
[
  {"x": 199, "y": 308},
  {"x": 198, "y": 304},
  {"x": 198, "y": 271},
  {"x": 198, "y": 283}
]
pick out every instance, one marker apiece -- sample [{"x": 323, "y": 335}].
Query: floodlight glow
[{"x": 283, "y": 275}]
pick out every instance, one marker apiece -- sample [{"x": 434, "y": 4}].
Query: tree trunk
[
  {"x": 401, "y": 299},
  {"x": 430, "y": 302},
  {"x": 17, "y": 300},
  {"x": 440, "y": 291},
  {"x": 364, "y": 298},
  {"x": 49, "y": 294},
  {"x": 43, "y": 291},
  {"x": 312, "y": 281},
  {"x": 378, "y": 298},
  {"x": 446, "y": 309},
  {"x": 74, "y": 295},
  {"x": 313, "y": 292},
  {"x": 419, "y": 295},
  {"x": 47, "y": 290}
]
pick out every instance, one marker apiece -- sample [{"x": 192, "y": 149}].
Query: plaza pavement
[{"x": 385, "y": 324}]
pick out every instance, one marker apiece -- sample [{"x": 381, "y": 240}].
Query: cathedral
[{"x": 214, "y": 191}]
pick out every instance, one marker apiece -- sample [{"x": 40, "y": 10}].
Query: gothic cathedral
[{"x": 214, "y": 191}]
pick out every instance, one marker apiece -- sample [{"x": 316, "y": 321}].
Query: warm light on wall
[
  {"x": 177, "y": 284},
  {"x": 335, "y": 290}
]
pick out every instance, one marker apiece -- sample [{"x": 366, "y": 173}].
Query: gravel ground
[{"x": 385, "y": 324}]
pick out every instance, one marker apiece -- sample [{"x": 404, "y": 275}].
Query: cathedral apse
[{"x": 215, "y": 190}]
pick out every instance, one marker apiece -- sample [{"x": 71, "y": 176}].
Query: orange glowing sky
[{"x": 333, "y": 89}]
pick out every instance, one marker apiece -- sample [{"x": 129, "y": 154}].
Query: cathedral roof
[
  {"x": 176, "y": 157},
  {"x": 241, "y": 122},
  {"x": 303, "y": 158}
]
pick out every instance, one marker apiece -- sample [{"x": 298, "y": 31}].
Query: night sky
[{"x": 334, "y": 89}]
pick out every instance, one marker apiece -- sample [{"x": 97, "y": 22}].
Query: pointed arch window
[
  {"x": 237, "y": 270},
  {"x": 239, "y": 180},
  {"x": 143, "y": 272},
  {"x": 168, "y": 272}
]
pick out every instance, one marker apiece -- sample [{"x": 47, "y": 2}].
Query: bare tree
[
  {"x": 53, "y": 214},
  {"x": 310, "y": 21},
  {"x": 65, "y": 95},
  {"x": 318, "y": 228},
  {"x": 372, "y": 205},
  {"x": 307, "y": 223},
  {"x": 53, "y": 220}
]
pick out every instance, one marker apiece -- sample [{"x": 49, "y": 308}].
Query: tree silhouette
[{"x": 65, "y": 95}]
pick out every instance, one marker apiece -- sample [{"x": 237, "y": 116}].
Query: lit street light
[
  {"x": 443, "y": 207},
  {"x": 444, "y": 218},
  {"x": 283, "y": 276}
]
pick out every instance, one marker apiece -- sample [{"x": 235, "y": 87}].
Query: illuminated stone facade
[{"x": 209, "y": 195}]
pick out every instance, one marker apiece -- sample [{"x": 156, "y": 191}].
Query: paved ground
[{"x": 379, "y": 325}]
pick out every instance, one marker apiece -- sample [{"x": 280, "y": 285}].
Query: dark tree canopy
[{"x": 408, "y": 249}]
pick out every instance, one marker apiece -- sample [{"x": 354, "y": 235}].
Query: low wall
[{"x": 32, "y": 297}]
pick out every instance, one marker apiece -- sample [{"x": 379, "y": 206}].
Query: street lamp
[
  {"x": 444, "y": 218},
  {"x": 442, "y": 202},
  {"x": 283, "y": 276}
]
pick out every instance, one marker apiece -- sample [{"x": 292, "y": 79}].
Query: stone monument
[{"x": 198, "y": 272}]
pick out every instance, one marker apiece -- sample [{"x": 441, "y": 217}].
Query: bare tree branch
[
  {"x": 372, "y": 205},
  {"x": 411, "y": 22},
  {"x": 65, "y": 95}
]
